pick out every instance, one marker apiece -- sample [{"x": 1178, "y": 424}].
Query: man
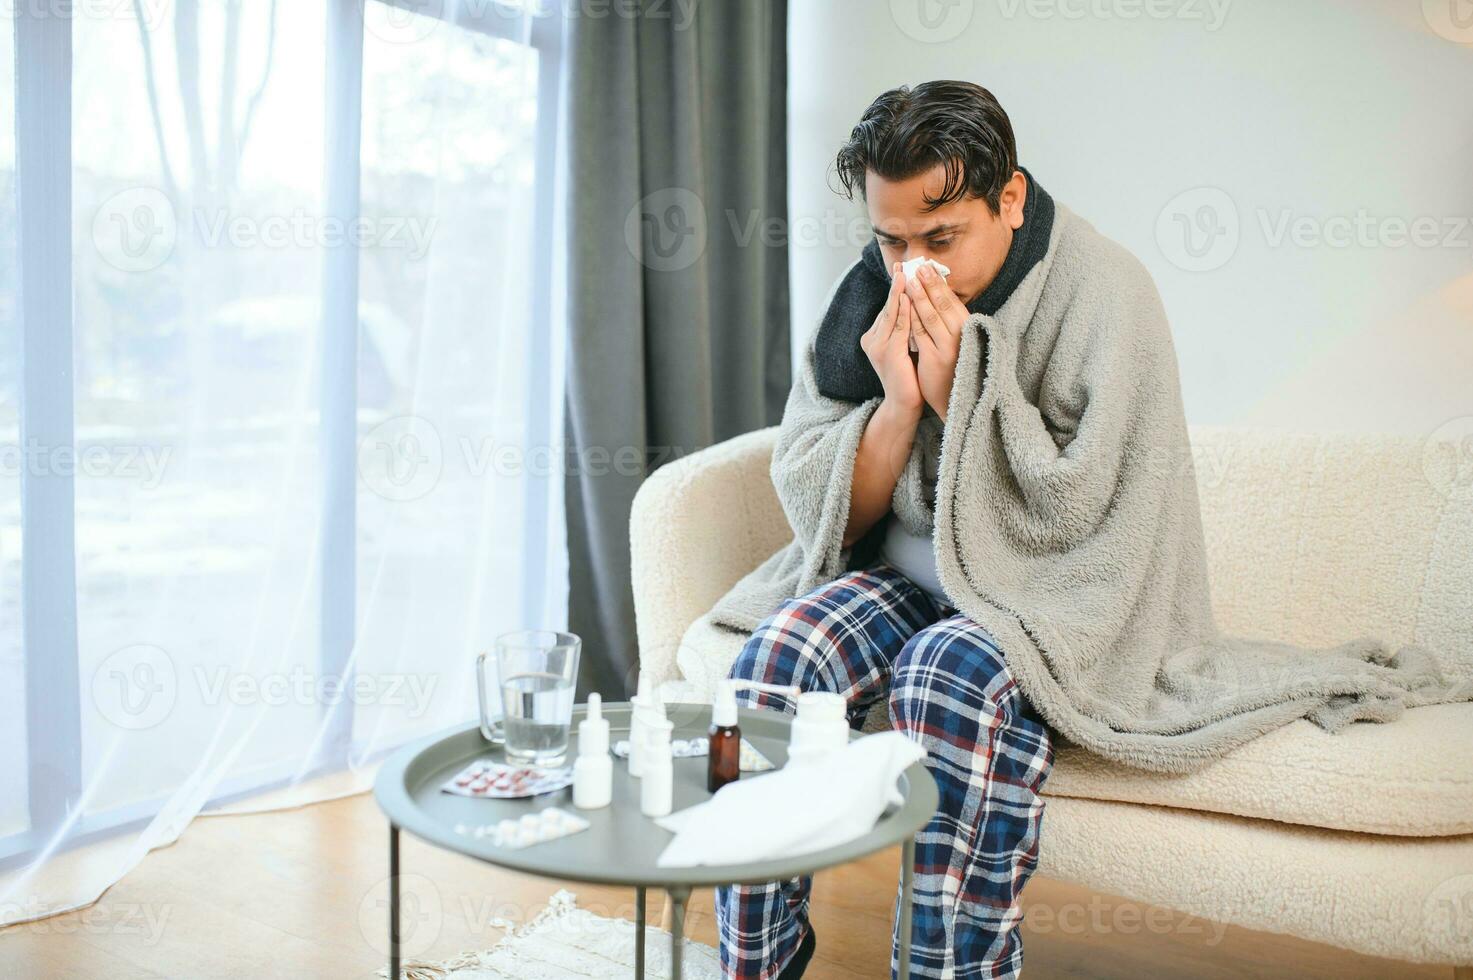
[
  {"x": 938, "y": 171},
  {"x": 998, "y": 533}
]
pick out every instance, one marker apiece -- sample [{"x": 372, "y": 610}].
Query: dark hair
[{"x": 907, "y": 131}]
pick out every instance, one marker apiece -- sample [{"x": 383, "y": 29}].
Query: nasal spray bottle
[
  {"x": 724, "y": 762},
  {"x": 642, "y": 708},
  {"x": 657, "y": 783},
  {"x": 593, "y": 772}
]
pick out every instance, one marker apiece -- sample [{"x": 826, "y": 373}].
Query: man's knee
[
  {"x": 953, "y": 661},
  {"x": 770, "y": 654},
  {"x": 784, "y": 650},
  {"x": 806, "y": 630}
]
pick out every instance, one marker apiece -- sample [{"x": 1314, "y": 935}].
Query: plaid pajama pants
[{"x": 874, "y": 634}]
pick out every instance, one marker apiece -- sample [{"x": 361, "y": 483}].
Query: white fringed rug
[{"x": 564, "y": 942}]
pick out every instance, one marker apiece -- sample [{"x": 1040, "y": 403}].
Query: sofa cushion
[
  {"x": 1411, "y": 777},
  {"x": 1410, "y": 900}
]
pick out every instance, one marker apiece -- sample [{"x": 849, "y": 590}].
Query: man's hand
[
  {"x": 938, "y": 319},
  {"x": 887, "y": 345},
  {"x": 885, "y": 445}
]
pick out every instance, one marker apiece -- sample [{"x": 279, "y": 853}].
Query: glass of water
[{"x": 536, "y": 671}]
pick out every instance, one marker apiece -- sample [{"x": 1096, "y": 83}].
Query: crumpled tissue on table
[{"x": 797, "y": 810}]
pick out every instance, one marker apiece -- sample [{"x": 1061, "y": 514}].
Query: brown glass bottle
[{"x": 724, "y": 762}]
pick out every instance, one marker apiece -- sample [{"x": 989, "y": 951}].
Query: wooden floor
[{"x": 300, "y": 894}]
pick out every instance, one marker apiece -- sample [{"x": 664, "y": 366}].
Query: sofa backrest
[{"x": 1320, "y": 538}]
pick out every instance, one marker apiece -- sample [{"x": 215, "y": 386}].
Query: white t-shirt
[{"x": 913, "y": 556}]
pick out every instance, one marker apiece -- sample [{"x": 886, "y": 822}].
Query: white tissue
[
  {"x": 799, "y": 809},
  {"x": 910, "y": 267}
]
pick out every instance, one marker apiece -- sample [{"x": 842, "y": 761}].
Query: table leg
[
  {"x": 678, "y": 898},
  {"x": 393, "y": 902},
  {"x": 639, "y": 933},
  {"x": 907, "y": 897}
]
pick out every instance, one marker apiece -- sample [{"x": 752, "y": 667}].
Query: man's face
[{"x": 964, "y": 234}]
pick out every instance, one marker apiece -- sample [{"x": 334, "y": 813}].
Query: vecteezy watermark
[
  {"x": 401, "y": 459},
  {"x": 224, "y": 684},
  {"x": 1209, "y": 13},
  {"x": 1361, "y": 229},
  {"x": 144, "y": 920},
  {"x": 1452, "y": 19},
  {"x": 138, "y": 229},
  {"x": 1198, "y": 229},
  {"x": 828, "y": 228},
  {"x": 666, "y": 230},
  {"x": 1202, "y": 462},
  {"x": 1101, "y": 917},
  {"x": 405, "y": 458},
  {"x": 299, "y": 228},
  {"x": 135, "y": 687},
  {"x": 150, "y": 13},
  {"x": 1448, "y": 910},
  {"x": 139, "y": 686},
  {"x": 1447, "y": 457},
  {"x": 680, "y": 13},
  {"x": 393, "y": 24},
  {"x": 143, "y": 463},
  {"x": 932, "y": 21},
  {"x": 421, "y": 915}
]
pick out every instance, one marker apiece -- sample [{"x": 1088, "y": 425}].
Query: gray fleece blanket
[{"x": 1066, "y": 524}]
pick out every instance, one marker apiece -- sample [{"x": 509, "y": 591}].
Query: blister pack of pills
[
  {"x": 533, "y": 828},
  {"x": 498, "y": 781},
  {"x": 690, "y": 748}
]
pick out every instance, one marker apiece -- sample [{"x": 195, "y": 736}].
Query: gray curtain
[{"x": 678, "y": 273}]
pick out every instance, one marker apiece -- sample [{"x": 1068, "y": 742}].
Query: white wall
[{"x": 1291, "y": 109}]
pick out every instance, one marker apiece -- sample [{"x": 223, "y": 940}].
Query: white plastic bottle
[
  {"x": 819, "y": 728},
  {"x": 638, "y": 718},
  {"x": 657, "y": 785},
  {"x": 593, "y": 772}
]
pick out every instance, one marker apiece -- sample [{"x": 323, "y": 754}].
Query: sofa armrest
[{"x": 697, "y": 526}]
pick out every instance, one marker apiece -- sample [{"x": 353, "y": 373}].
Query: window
[
  {"x": 195, "y": 179},
  {"x": 447, "y": 120},
  {"x": 311, "y": 359}
]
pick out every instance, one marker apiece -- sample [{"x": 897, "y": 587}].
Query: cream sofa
[{"x": 1363, "y": 840}]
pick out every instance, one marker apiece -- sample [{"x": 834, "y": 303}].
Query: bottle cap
[
  {"x": 593, "y": 731},
  {"x": 821, "y": 706},
  {"x": 724, "y": 706}
]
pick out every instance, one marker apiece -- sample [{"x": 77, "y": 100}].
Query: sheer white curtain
[{"x": 313, "y": 403}]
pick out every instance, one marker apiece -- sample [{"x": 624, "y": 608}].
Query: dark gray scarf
[{"x": 843, "y": 370}]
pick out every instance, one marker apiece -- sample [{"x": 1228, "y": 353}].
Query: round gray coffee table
[{"x": 621, "y": 845}]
